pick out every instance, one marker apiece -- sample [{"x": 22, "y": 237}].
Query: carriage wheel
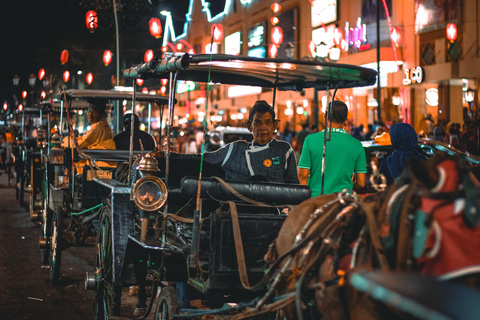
[
  {"x": 167, "y": 304},
  {"x": 56, "y": 240},
  {"x": 107, "y": 294}
]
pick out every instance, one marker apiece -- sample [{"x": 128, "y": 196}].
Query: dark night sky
[{"x": 33, "y": 34}]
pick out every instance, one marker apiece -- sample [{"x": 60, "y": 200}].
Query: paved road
[{"x": 25, "y": 290}]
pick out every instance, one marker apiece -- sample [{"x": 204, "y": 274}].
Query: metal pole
[
  {"x": 117, "y": 44},
  {"x": 379, "y": 97},
  {"x": 149, "y": 117}
]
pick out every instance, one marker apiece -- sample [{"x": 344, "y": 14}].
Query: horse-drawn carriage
[
  {"x": 188, "y": 231},
  {"x": 71, "y": 200}
]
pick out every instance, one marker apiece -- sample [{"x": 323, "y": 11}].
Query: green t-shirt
[{"x": 344, "y": 156}]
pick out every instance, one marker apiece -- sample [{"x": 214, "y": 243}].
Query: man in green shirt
[{"x": 344, "y": 157}]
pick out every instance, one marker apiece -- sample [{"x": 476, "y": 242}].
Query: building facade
[{"x": 424, "y": 77}]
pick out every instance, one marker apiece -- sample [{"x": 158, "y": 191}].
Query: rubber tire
[
  {"x": 56, "y": 244},
  {"x": 167, "y": 304},
  {"x": 106, "y": 297}
]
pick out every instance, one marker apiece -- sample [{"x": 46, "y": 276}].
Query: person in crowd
[
  {"x": 287, "y": 134},
  {"x": 370, "y": 132},
  {"x": 452, "y": 137},
  {"x": 357, "y": 133},
  {"x": 100, "y": 134},
  {"x": 344, "y": 157},
  {"x": 191, "y": 144},
  {"x": 265, "y": 158},
  {"x": 122, "y": 140},
  {"x": 301, "y": 135},
  {"x": 210, "y": 143},
  {"x": 438, "y": 134},
  {"x": 469, "y": 138},
  {"x": 404, "y": 142}
]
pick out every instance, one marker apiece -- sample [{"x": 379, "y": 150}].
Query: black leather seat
[{"x": 272, "y": 193}]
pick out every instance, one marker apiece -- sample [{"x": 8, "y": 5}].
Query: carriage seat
[
  {"x": 107, "y": 154},
  {"x": 271, "y": 193}
]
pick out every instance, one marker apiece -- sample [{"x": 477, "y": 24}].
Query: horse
[{"x": 419, "y": 224}]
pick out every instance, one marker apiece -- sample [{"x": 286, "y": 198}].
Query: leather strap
[
  {"x": 237, "y": 194},
  {"x": 368, "y": 209},
  {"x": 237, "y": 236}
]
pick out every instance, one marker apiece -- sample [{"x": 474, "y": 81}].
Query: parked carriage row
[{"x": 168, "y": 221}]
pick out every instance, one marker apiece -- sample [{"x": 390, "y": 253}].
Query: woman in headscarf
[{"x": 404, "y": 142}]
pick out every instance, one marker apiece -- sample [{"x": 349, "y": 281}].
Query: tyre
[
  {"x": 167, "y": 304},
  {"x": 56, "y": 242},
  {"x": 107, "y": 294}
]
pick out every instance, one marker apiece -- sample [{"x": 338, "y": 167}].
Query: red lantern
[
  {"x": 396, "y": 36},
  {"x": 64, "y": 57},
  {"x": 274, "y": 21},
  {"x": 140, "y": 81},
  {"x": 66, "y": 76},
  {"x": 145, "y": 90},
  {"x": 164, "y": 48},
  {"x": 337, "y": 36},
  {"x": 5, "y": 106},
  {"x": 451, "y": 32},
  {"x": 163, "y": 90},
  {"x": 24, "y": 94},
  {"x": 155, "y": 27},
  {"x": 272, "y": 50},
  {"x": 89, "y": 78},
  {"x": 277, "y": 35},
  {"x": 43, "y": 94},
  {"x": 107, "y": 57},
  {"x": 148, "y": 56},
  {"x": 164, "y": 82},
  {"x": 91, "y": 20},
  {"x": 20, "y": 107},
  {"x": 276, "y": 7},
  {"x": 41, "y": 74},
  {"x": 217, "y": 33}
]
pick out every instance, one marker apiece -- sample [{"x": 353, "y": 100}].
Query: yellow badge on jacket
[{"x": 267, "y": 163}]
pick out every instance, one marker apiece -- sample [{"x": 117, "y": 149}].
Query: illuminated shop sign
[
  {"x": 413, "y": 75},
  {"x": 256, "y": 35},
  {"x": 431, "y": 97},
  {"x": 184, "y": 86},
  {"x": 355, "y": 37},
  {"x": 233, "y": 43},
  {"x": 323, "y": 12},
  {"x": 259, "y": 52},
  {"x": 239, "y": 91}
]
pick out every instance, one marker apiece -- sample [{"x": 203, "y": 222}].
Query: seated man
[
  {"x": 100, "y": 134},
  {"x": 264, "y": 157},
  {"x": 98, "y": 137},
  {"x": 122, "y": 140}
]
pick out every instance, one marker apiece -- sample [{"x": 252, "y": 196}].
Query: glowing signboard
[
  {"x": 233, "y": 43},
  {"x": 323, "y": 12},
  {"x": 414, "y": 75}
]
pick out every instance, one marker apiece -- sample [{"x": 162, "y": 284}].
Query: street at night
[{"x": 26, "y": 291}]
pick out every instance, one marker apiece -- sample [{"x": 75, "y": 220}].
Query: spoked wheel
[
  {"x": 56, "y": 241},
  {"x": 46, "y": 221},
  {"x": 167, "y": 304},
  {"x": 107, "y": 294}
]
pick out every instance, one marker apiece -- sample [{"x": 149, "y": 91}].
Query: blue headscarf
[{"x": 404, "y": 140}]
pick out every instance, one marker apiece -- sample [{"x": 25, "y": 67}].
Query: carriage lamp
[
  {"x": 56, "y": 156},
  {"x": 40, "y": 138},
  {"x": 149, "y": 192}
]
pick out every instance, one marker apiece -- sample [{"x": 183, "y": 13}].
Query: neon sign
[{"x": 414, "y": 75}]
